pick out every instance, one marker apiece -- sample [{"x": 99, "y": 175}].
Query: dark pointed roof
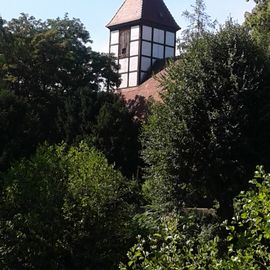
[{"x": 153, "y": 12}]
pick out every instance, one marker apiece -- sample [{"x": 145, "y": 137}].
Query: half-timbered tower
[{"x": 141, "y": 33}]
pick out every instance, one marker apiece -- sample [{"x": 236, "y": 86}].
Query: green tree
[
  {"x": 116, "y": 135},
  {"x": 103, "y": 120},
  {"x": 46, "y": 61},
  {"x": 258, "y": 22},
  {"x": 52, "y": 56},
  {"x": 199, "y": 24},
  {"x": 65, "y": 208},
  {"x": 207, "y": 136},
  {"x": 50, "y": 66},
  {"x": 18, "y": 133}
]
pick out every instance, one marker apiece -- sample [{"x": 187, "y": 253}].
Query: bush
[
  {"x": 65, "y": 208},
  {"x": 183, "y": 243}
]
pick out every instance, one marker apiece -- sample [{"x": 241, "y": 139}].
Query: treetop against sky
[{"x": 95, "y": 14}]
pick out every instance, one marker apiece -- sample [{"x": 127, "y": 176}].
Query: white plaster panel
[
  {"x": 123, "y": 65},
  {"x": 124, "y": 79},
  {"x": 134, "y": 48},
  {"x": 158, "y": 51},
  {"x": 145, "y": 63},
  {"x": 147, "y": 33},
  {"x": 169, "y": 52},
  {"x": 158, "y": 35},
  {"x": 135, "y": 32},
  {"x": 133, "y": 64},
  {"x": 114, "y": 50},
  {"x": 170, "y": 37},
  {"x": 115, "y": 37},
  {"x": 133, "y": 77},
  {"x": 146, "y": 48}
]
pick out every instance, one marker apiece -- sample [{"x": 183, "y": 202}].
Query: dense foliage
[
  {"x": 181, "y": 242},
  {"x": 62, "y": 90},
  {"x": 18, "y": 127},
  {"x": 102, "y": 119},
  {"x": 71, "y": 191},
  {"x": 258, "y": 21},
  {"x": 65, "y": 208},
  {"x": 51, "y": 56},
  {"x": 206, "y": 138}
]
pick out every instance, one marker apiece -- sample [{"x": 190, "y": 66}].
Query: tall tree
[
  {"x": 50, "y": 67},
  {"x": 52, "y": 56},
  {"x": 258, "y": 21},
  {"x": 212, "y": 128},
  {"x": 199, "y": 23}
]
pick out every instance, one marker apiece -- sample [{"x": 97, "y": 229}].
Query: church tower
[{"x": 141, "y": 32}]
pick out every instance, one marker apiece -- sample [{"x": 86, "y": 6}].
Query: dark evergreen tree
[
  {"x": 18, "y": 128},
  {"x": 102, "y": 119}
]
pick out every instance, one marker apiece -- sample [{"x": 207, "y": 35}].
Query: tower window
[{"x": 124, "y": 40}]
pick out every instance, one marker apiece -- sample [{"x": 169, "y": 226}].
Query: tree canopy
[
  {"x": 53, "y": 55},
  {"x": 64, "y": 90},
  {"x": 258, "y": 21},
  {"x": 206, "y": 138}
]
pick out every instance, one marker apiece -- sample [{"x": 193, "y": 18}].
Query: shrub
[{"x": 65, "y": 208}]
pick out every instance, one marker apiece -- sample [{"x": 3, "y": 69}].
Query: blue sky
[{"x": 95, "y": 14}]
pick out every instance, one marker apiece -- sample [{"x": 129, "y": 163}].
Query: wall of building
[
  {"x": 156, "y": 44},
  {"x": 137, "y": 48}
]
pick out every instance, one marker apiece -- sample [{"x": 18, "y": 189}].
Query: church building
[{"x": 142, "y": 37}]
